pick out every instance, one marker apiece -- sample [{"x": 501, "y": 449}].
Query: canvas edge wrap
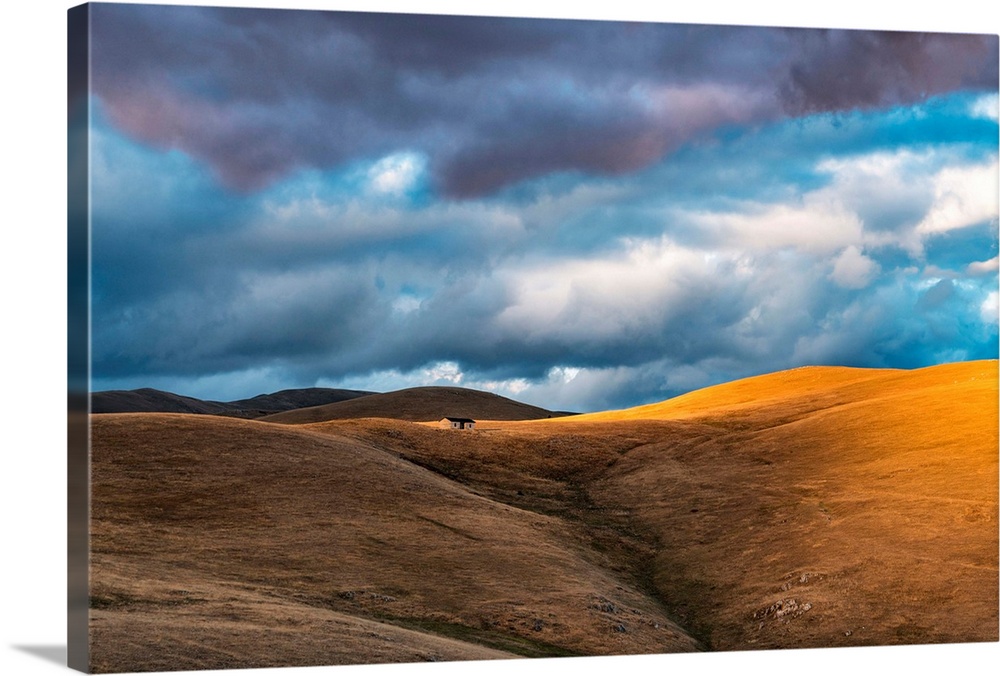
[{"x": 78, "y": 337}]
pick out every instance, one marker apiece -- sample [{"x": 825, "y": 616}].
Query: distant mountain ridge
[
  {"x": 149, "y": 400},
  {"x": 319, "y": 404}
]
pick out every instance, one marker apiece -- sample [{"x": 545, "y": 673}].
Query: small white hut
[{"x": 458, "y": 423}]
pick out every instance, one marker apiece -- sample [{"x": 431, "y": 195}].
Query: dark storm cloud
[
  {"x": 258, "y": 94},
  {"x": 248, "y": 320},
  {"x": 861, "y": 69}
]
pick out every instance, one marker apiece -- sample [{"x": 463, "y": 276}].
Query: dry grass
[
  {"x": 418, "y": 403},
  {"x": 818, "y": 507},
  {"x": 870, "y": 496},
  {"x": 313, "y": 528}
]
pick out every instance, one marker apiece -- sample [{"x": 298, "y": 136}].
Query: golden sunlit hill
[
  {"x": 814, "y": 507},
  {"x": 824, "y": 506},
  {"x": 419, "y": 404}
]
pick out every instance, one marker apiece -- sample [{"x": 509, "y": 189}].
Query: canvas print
[{"x": 402, "y": 338}]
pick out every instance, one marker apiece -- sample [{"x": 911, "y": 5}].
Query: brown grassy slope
[
  {"x": 177, "y": 620},
  {"x": 418, "y": 404},
  {"x": 222, "y": 543},
  {"x": 840, "y": 507},
  {"x": 845, "y": 507}
]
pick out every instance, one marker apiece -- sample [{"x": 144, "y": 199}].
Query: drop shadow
[{"x": 49, "y": 653}]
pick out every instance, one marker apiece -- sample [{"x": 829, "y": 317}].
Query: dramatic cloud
[
  {"x": 260, "y": 94},
  {"x": 577, "y": 214}
]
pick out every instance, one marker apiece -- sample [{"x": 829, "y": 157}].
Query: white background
[{"x": 33, "y": 328}]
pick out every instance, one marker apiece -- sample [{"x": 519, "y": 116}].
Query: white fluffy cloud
[
  {"x": 819, "y": 224},
  {"x": 605, "y": 296},
  {"x": 852, "y": 269},
  {"x": 990, "y": 308},
  {"x": 987, "y": 106},
  {"x": 395, "y": 174},
  {"x": 963, "y": 196},
  {"x": 978, "y": 268},
  {"x": 881, "y": 199}
]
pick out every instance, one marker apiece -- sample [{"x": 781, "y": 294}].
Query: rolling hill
[
  {"x": 824, "y": 506},
  {"x": 287, "y": 400},
  {"x": 241, "y": 543},
  {"x": 816, "y": 507},
  {"x": 148, "y": 400},
  {"x": 419, "y": 404}
]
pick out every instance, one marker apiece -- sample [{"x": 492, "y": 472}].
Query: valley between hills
[{"x": 818, "y": 507}]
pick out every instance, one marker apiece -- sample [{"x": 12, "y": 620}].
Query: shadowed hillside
[
  {"x": 148, "y": 400},
  {"x": 286, "y": 400},
  {"x": 815, "y": 507},
  {"x": 247, "y": 544},
  {"x": 420, "y": 404}
]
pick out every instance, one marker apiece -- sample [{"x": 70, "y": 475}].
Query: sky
[{"x": 580, "y": 215}]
